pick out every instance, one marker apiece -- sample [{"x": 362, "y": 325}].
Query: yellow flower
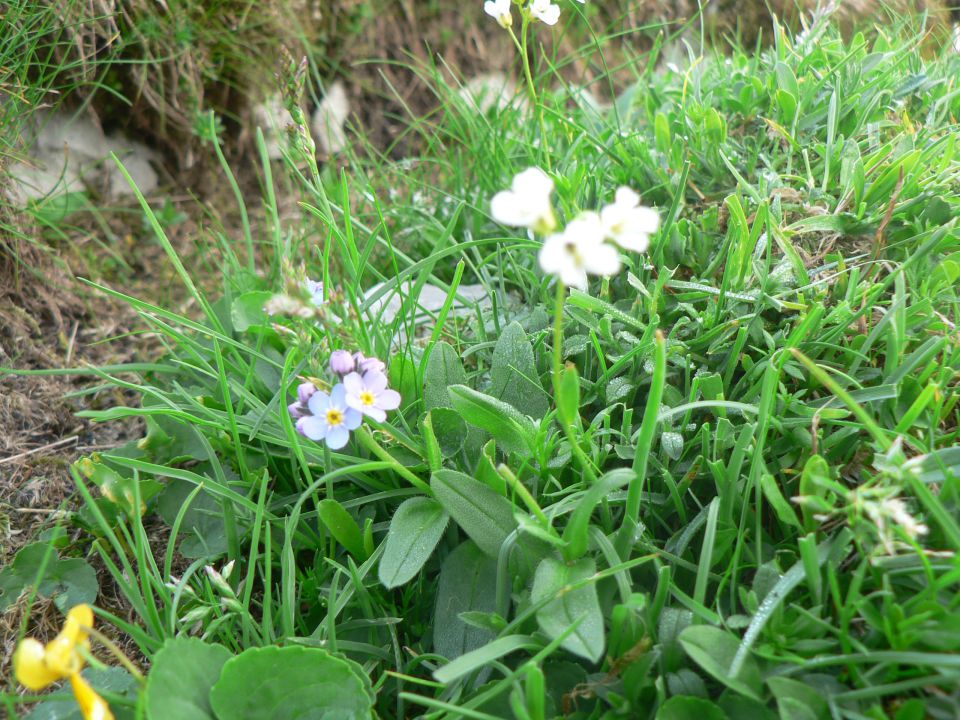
[
  {"x": 37, "y": 666},
  {"x": 91, "y": 705},
  {"x": 30, "y": 667}
]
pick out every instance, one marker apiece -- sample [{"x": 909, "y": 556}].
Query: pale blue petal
[
  {"x": 312, "y": 427},
  {"x": 337, "y": 437},
  {"x": 338, "y": 396},
  {"x": 352, "y": 419},
  {"x": 319, "y": 402}
]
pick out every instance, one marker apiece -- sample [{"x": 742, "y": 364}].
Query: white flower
[
  {"x": 628, "y": 223},
  {"x": 527, "y": 202},
  {"x": 499, "y": 9},
  {"x": 545, "y": 11},
  {"x": 578, "y": 251}
]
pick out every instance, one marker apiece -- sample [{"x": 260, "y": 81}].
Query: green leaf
[
  {"x": 771, "y": 491},
  {"x": 450, "y": 430},
  {"x": 482, "y": 656},
  {"x": 289, "y": 682},
  {"x": 814, "y": 482},
  {"x": 513, "y": 373},
  {"x": 739, "y": 706},
  {"x": 482, "y": 514},
  {"x": 514, "y": 430},
  {"x": 183, "y": 672},
  {"x": 684, "y": 707},
  {"x": 247, "y": 310},
  {"x": 714, "y": 649},
  {"x": 68, "y": 582},
  {"x": 467, "y": 578},
  {"x": 576, "y": 533},
  {"x": 568, "y": 605},
  {"x": 342, "y": 526},
  {"x": 672, "y": 444},
  {"x": 444, "y": 369},
  {"x": 798, "y": 701},
  {"x": 203, "y": 530},
  {"x": 786, "y": 79},
  {"x": 119, "y": 490},
  {"x": 415, "y": 530}
]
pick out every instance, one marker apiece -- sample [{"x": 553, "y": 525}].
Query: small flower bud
[
  {"x": 296, "y": 410},
  {"x": 231, "y": 605},
  {"x": 196, "y": 615},
  {"x": 341, "y": 362},
  {"x": 216, "y": 579},
  {"x": 366, "y": 364},
  {"x": 227, "y": 569},
  {"x": 305, "y": 391}
]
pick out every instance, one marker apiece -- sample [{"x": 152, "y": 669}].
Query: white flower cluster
[
  {"x": 583, "y": 247},
  {"x": 546, "y": 11}
]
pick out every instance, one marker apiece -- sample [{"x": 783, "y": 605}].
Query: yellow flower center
[
  {"x": 574, "y": 252},
  {"x": 334, "y": 417},
  {"x": 367, "y": 398}
]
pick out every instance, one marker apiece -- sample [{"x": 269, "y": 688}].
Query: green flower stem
[
  {"x": 368, "y": 441},
  {"x": 568, "y": 429},
  {"x": 523, "y": 48},
  {"x": 651, "y": 413},
  {"x": 117, "y": 653},
  {"x": 520, "y": 489}
]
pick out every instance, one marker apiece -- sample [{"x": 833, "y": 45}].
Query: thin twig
[{"x": 42, "y": 448}]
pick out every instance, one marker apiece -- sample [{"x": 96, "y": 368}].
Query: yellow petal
[
  {"x": 79, "y": 621},
  {"x": 91, "y": 705},
  {"x": 62, "y": 658},
  {"x": 30, "y": 667}
]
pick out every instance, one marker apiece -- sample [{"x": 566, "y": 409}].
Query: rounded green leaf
[
  {"x": 183, "y": 672},
  {"x": 289, "y": 682},
  {"x": 415, "y": 530},
  {"x": 685, "y": 707}
]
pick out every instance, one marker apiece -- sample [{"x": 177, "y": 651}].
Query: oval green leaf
[
  {"x": 572, "y": 601},
  {"x": 415, "y": 530},
  {"x": 482, "y": 514}
]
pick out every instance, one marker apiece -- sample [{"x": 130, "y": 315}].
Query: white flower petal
[
  {"x": 626, "y": 196},
  {"x": 532, "y": 181},
  {"x": 574, "y": 277},
  {"x": 508, "y": 209},
  {"x": 552, "y": 255},
  {"x": 603, "y": 260}
]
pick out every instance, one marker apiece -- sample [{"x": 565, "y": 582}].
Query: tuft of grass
[{"x": 737, "y": 492}]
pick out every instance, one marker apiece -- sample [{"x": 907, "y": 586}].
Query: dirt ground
[{"x": 50, "y": 320}]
